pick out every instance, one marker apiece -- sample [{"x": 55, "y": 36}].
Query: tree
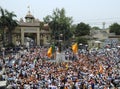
[
  {"x": 47, "y": 19},
  {"x": 82, "y": 40},
  {"x": 3, "y": 23},
  {"x": 82, "y": 29},
  {"x": 115, "y": 28},
  {"x": 95, "y": 28},
  {"x": 73, "y": 27},
  {"x": 59, "y": 24},
  {"x": 7, "y": 21},
  {"x": 11, "y": 24}
]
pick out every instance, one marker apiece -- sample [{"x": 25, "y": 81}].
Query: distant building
[
  {"x": 98, "y": 37},
  {"x": 102, "y": 38}
]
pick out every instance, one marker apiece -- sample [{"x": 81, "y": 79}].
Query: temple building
[{"x": 31, "y": 30}]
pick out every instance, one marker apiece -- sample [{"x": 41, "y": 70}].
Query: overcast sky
[{"x": 93, "y": 12}]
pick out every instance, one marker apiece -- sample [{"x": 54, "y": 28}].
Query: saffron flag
[
  {"x": 100, "y": 69},
  {"x": 49, "y": 53},
  {"x": 75, "y": 48},
  {"x": 66, "y": 66}
]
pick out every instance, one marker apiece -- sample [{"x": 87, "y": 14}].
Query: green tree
[
  {"x": 73, "y": 27},
  {"x": 82, "y": 29},
  {"x": 59, "y": 24},
  {"x": 41, "y": 25},
  {"x": 115, "y": 28},
  {"x": 3, "y": 23},
  {"x": 7, "y": 22},
  {"x": 47, "y": 19},
  {"x": 95, "y": 28},
  {"x": 11, "y": 24},
  {"x": 82, "y": 40}
]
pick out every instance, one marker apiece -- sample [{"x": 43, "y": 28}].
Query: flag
[
  {"x": 75, "y": 48},
  {"x": 49, "y": 53},
  {"x": 66, "y": 66},
  {"x": 100, "y": 69}
]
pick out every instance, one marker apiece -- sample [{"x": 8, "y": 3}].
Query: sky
[{"x": 92, "y": 12}]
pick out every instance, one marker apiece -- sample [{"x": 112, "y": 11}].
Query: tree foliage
[
  {"x": 11, "y": 24},
  {"x": 115, "y": 28},
  {"x": 95, "y": 28},
  {"x": 7, "y": 21},
  {"x": 73, "y": 27},
  {"x": 59, "y": 24},
  {"x": 81, "y": 40},
  {"x": 82, "y": 29},
  {"x": 3, "y": 23}
]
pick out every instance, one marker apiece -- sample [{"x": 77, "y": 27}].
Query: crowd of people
[{"x": 89, "y": 69}]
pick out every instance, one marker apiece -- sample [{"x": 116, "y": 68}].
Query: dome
[{"x": 29, "y": 15}]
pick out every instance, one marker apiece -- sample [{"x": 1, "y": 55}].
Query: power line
[
  {"x": 99, "y": 22},
  {"x": 98, "y": 19}
]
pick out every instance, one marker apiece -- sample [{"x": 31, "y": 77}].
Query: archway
[{"x": 30, "y": 39}]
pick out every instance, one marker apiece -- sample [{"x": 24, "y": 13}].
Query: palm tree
[
  {"x": 7, "y": 21},
  {"x": 3, "y": 23},
  {"x": 11, "y": 24}
]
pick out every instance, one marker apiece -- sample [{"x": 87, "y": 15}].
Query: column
[
  {"x": 22, "y": 36},
  {"x": 38, "y": 36}
]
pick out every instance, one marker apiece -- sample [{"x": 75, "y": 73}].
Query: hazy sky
[{"x": 93, "y": 12}]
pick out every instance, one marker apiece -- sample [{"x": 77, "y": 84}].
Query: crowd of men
[{"x": 88, "y": 69}]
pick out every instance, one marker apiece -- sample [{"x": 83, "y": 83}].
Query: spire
[
  {"x": 29, "y": 15},
  {"x": 28, "y": 10}
]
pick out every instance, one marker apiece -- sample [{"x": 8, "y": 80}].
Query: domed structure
[
  {"x": 36, "y": 30},
  {"x": 29, "y": 17}
]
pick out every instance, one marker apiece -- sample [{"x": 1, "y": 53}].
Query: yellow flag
[
  {"x": 66, "y": 66},
  {"x": 49, "y": 53},
  {"x": 75, "y": 48},
  {"x": 101, "y": 69}
]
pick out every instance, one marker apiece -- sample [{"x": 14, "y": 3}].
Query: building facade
[{"x": 31, "y": 30}]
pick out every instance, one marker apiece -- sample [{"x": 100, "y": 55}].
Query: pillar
[
  {"x": 38, "y": 37},
  {"x": 22, "y": 36}
]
